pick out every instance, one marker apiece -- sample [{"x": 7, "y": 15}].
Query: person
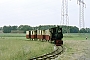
[{"x": 86, "y": 38}]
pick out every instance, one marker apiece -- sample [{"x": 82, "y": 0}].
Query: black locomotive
[{"x": 57, "y": 35}]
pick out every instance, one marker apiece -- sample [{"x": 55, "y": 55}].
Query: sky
[{"x": 39, "y": 12}]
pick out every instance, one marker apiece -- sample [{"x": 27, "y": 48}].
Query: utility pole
[
  {"x": 64, "y": 14},
  {"x": 82, "y": 5}
]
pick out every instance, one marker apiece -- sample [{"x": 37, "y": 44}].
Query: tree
[
  {"x": 87, "y": 30},
  {"x": 74, "y": 29},
  {"x": 1, "y": 28},
  {"x": 24, "y": 28},
  {"x": 7, "y": 29},
  {"x": 14, "y": 27},
  {"x": 64, "y": 29},
  {"x": 82, "y": 30}
]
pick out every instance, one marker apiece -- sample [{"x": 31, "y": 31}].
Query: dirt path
[{"x": 76, "y": 50}]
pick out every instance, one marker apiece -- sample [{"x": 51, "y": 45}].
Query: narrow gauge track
[{"x": 51, "y": 55}]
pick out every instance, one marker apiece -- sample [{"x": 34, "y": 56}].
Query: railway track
[{"x": 51, "y": 55}]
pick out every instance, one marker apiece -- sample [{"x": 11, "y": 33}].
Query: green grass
[
  {"x": 17, "y": 47},
  {"x": 12, "y": 34},
  {"x": 76, "y": 36}
]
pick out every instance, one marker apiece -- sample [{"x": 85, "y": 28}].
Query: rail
[{"x": 51, "y": 55}]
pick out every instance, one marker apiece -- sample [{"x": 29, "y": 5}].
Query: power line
[
  {"x": 82, "y": 5},
  {"x": 64, "y": 13}
]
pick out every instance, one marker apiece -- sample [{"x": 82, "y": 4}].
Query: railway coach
[{"x": 28, "y": 34}]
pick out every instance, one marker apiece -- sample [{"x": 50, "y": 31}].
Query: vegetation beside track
[
  {"x": 76, "y": 46},
  {"x": 17, "y": 47},
  {"x": 14, "y": 46},
  {"x": 76, "y": 36}
]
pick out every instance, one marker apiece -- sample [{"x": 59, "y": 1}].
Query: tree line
[{"x": 24, "y": 28}]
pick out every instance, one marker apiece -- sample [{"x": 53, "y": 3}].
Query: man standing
[{"x": 86, "y": 38}]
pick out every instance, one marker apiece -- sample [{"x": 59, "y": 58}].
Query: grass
[
  {"x": 12, "y": 35},
  {"x": 74, "y": 49},
  {"x": 14, "y": 46},
  {"x": 76, "y": 36},
  {"x": 17, "y": 47},
  {"x": 75, "y": 45}
]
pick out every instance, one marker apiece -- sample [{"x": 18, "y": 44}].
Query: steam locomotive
[{"x": 53, "y": 34}]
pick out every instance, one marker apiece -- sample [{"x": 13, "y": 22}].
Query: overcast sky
[{"x": 39, "y": 12}]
